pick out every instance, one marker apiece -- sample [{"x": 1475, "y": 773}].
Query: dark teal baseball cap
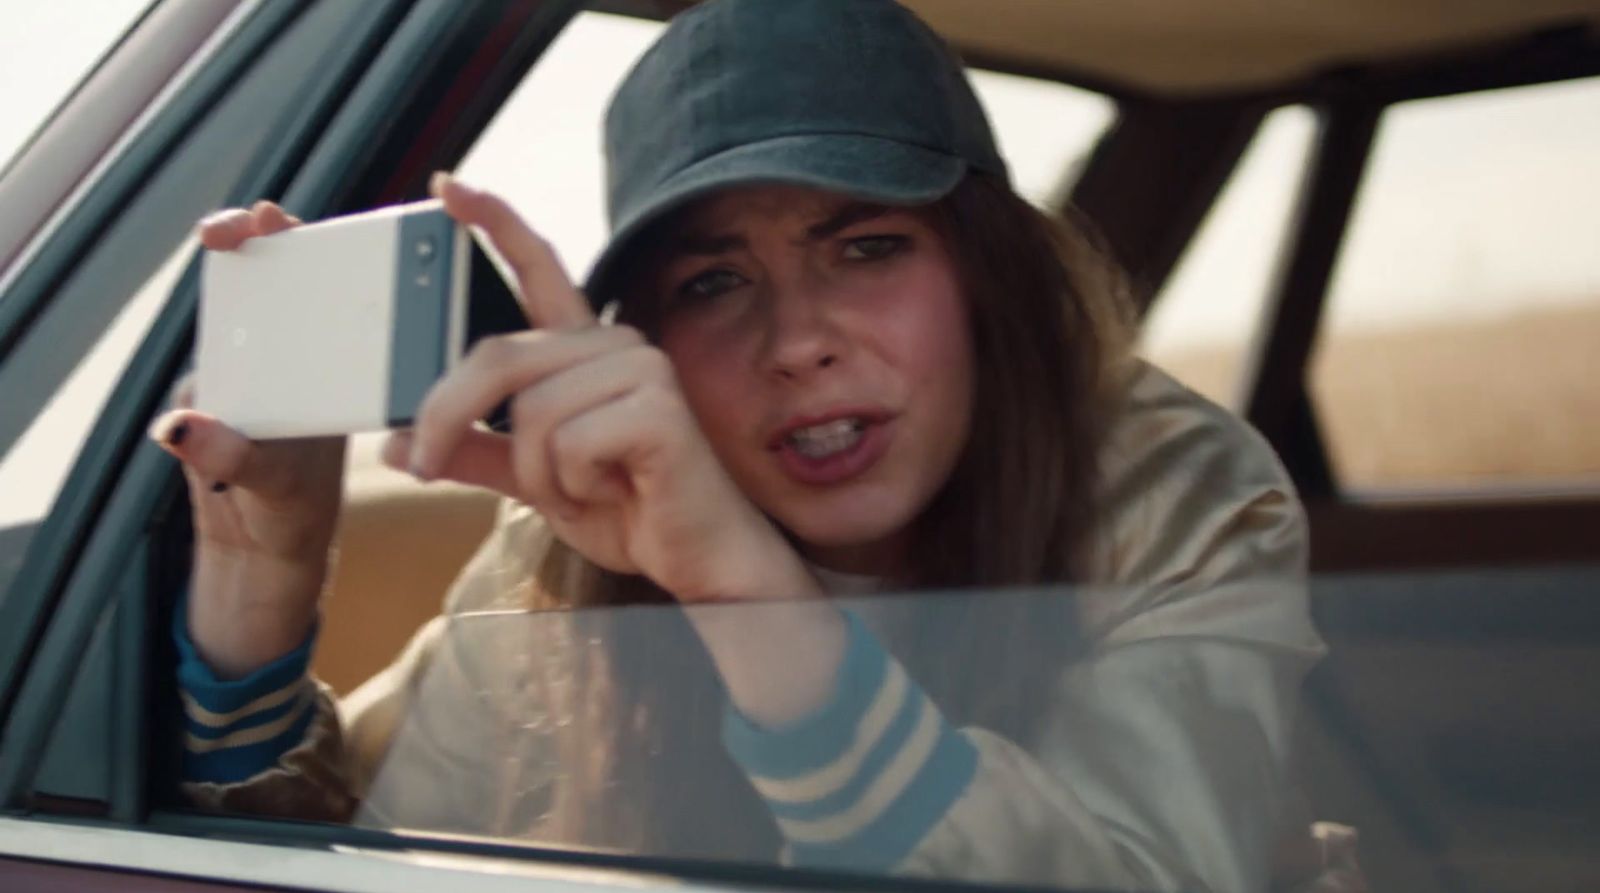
[{"x": 858, "y": 97}]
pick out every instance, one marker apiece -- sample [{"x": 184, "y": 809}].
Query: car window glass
[
  {"x": 1202, "y": 322},
  {"x": 46, "y": 49},
  {"x": 1460, "y": 338},
  {"x": 608, "y": 728}
]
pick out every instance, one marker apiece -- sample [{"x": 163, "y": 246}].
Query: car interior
[{"x": 1452, "y": 723}]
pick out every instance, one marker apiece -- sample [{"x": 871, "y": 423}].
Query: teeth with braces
[{"x": 821, "y": 441}]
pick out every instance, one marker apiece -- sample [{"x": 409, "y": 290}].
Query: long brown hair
[{"x": 1050, "y": 325}]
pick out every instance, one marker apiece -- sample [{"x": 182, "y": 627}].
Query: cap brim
[{"x": 863, "y": 167}]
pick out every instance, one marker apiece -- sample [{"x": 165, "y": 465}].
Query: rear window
[{"x": 1461, "y": 342}]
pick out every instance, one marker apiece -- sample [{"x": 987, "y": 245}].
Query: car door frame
[{"x": 365, "y": 135}]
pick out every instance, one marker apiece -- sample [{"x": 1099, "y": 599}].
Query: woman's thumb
[{"x": 211, "y": 450}]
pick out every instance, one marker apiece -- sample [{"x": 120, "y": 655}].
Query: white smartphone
[{"x": 342, "y": 326}]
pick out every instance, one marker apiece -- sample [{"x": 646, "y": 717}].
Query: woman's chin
[{"x": 857, "y": 542}]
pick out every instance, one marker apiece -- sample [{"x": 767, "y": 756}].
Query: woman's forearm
[{"x": 247, "y": 610}]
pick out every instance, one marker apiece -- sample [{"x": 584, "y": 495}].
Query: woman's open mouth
[{"x": 832, "y": 451}]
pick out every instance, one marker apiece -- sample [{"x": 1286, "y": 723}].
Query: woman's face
[{"x": 823, "y": 345}]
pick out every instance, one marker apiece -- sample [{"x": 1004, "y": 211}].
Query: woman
[{"x": 847, "y": 357}]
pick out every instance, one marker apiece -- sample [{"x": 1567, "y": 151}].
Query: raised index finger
[{"x": 548, "y": 297}]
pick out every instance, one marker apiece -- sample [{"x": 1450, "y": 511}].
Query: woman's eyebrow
[
  {"x": 705, "y": 245},
  {"x": 849, "y": 215},
  {"x": 693, "y": 244}
]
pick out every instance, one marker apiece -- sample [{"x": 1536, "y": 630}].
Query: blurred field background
[{"x": 1508, "y": 400}]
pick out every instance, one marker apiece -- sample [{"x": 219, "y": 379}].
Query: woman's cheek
[{"x": 714, "y": 396}]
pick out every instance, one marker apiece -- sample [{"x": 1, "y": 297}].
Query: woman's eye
[
  {"x": 709, "y": 284},
  {"x": 874, "y": 247}
]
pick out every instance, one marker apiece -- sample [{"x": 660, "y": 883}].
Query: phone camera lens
[{"x": 425, "y": 248}]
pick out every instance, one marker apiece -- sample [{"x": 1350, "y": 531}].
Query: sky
[{"x": 1474, "y": 207}]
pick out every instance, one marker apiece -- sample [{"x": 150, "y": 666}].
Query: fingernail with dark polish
[
  {"x": 219, "y": 487},
  {"x": 178, "y": 433}
]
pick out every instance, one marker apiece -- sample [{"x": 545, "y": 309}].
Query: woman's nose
[{"x": 802, "y": 338}]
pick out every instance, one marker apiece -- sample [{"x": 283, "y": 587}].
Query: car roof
[
  {"x": 1187, "y": 47},
  {"x": 1183, "y": 46}
]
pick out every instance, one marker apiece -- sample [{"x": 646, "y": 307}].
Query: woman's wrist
[
  {"x": 779, "y": 661},
  {"x": 247, "y": 610},
  {"x": 755, "y": 563},
  {"x": 776, "y": 640}
]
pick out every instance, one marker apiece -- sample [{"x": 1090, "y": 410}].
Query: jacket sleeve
[
  {"x": 1161, "y": 767},
  {"x": 279, "y": 743},
  {"x": 267, "y": 744},
  {"x": 1163, "y": 759},
  {"x": 1164, "y": 768},
  {"x": 289, "y": 749}
]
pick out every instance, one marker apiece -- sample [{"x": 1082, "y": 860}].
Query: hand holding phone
[
  {"x": 342, "y": 326},
  {"x": 265, "y": 510}
]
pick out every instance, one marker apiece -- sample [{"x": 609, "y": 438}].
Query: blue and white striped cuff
[
  {"x": 235, "y": 729},
  {"x": 859, "y": 783}
]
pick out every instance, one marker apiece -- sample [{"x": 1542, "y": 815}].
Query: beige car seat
[{"x": 400, "y": 544}]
